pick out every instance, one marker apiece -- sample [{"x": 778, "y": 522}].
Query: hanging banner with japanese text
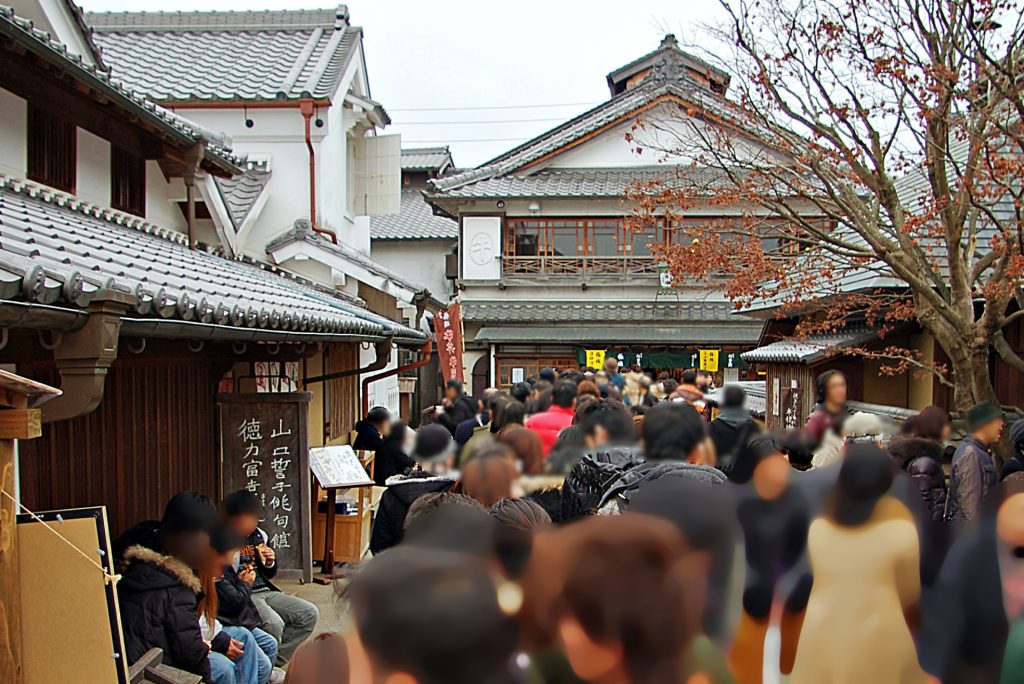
[
  {"x": 263, "y": 448},
  {"x": 448, "y": 329},
  {"x": 709, "y": 360},
  {"x": 595, "y": 358}
]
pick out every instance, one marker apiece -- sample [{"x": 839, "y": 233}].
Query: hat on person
[
  {"x": 982, "y": 413},
  {"x": 433, "y": 443}
]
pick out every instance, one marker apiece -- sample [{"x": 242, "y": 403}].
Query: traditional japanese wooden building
[
  {"x": 547, "y": 265},
  {"x": 110, "y": 290}
]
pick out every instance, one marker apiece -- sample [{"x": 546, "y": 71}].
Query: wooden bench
[{"x": 150, "y": 668}]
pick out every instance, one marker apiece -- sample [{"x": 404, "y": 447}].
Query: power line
[
  {"x": 477, "y": 109},
  {"x": 463, "y": 123},
  {"x": 465, "y": 140}
]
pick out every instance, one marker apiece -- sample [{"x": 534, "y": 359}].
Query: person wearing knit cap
[
  {"x": 434, "y": 452},
  {"x": 974, "y": 468}
]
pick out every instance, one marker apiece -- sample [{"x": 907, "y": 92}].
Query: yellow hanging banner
[
  {"x": 709, "y": 360},
  {"x": 595, "y": 358}
]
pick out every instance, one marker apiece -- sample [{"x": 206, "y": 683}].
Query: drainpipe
[
  {"x": 423, "y": 360},
  {"x": 381, "y": 356},
  {"x": 307, "y": 108},
  {"x": 84, "y": 356}
]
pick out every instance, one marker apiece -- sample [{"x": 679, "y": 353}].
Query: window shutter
[
  {"x": 378, "y": 175},
  {"x": 127, "y": 182},
  {"x": 52, "y": 149}
]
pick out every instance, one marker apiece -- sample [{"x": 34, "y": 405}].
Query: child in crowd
[{"x": 289, "y": 619}]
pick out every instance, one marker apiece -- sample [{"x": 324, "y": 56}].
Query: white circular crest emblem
[{"x": 481, "y": 249}]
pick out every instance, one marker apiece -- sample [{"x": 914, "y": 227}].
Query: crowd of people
[{"x": 607, "y": 527}]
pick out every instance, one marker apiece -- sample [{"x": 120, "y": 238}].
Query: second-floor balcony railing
[{"x": 582, "y": 266}]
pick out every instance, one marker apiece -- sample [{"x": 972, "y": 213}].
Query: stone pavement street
[{"x": 333, "y": 610}]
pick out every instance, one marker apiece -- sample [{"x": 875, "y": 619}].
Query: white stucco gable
[{"x": 64, "y": 21}]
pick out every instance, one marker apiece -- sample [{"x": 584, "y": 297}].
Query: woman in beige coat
[{"x": 864, "y": 554}]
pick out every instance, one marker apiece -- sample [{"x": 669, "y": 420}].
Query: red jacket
[{"x": 547, "y": 425}]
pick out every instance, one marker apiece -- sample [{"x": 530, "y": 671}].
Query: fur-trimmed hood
[
  {"x": 170, "y": 567},
  {"x": 906, "y": 450}
]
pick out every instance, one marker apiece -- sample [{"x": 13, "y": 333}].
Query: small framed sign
[{"x": 338, "y": 467}]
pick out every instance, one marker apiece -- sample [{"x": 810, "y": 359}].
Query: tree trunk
[{"x": 974, "y": 385}]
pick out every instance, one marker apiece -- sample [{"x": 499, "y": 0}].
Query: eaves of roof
[
  {"x": 302, "y": 231},
  {"x": 814, "y": 348},
  {"x": 60, "y": 252},
  {"x": 22, "y": 32}
]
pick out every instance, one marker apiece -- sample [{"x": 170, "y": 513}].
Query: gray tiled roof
[
  {"x": 23, "y": 32},
  {"x": 302, "y": 231},
  {"x": 249, "y": 55},
  {"x": 604, "y": 114},
  {"x": 426, "y": 158},
  {"x": 415, "y": 221},
  {"x": 813, "y": 348},
  {"x": 588, "y": 182},
  {"x": 241, "y": 192},
  {"x": 613, "y": 312},
  {"x": 668, "y": 50},
  {"x": 58, "y": 250}
]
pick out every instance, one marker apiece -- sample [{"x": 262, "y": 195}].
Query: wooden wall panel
[
  {"x": 342, "y": 410},
  {"x": 153, "y": 435}
]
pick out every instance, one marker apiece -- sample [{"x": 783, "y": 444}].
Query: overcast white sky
[{"x": 509, "y": 56}]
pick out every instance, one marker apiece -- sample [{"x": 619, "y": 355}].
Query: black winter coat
[
  {"x": 367, "y": 437},
  {"x": 234, "y": 601},
  {"x": 389, "y": 524},
  {"x": 389, "y": 461},
  {"x": 921, "y": 460},
  {"x": 462, "y": 409},
  {"x": 158, "y": 596}
]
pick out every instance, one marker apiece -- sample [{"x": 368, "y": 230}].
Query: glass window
[
  {"x": 563, "y": 238},
  {"x": 604, "y": 238}
]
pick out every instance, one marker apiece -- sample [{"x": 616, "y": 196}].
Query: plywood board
[{"x": 70, "y": 623}]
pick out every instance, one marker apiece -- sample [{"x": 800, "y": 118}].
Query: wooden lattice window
[
  {"x": 127, "y": 182},
  {"x": 51, "y": 149}
]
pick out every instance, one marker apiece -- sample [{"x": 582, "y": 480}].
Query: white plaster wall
[
  {"x": 93, "y": 168},
  {"x": 55, "y": 16},
  {"x": 419, "y": 261},
  {"x": 160, "y": 196},
  {"x": 469, "y": 359},
  {"x": 667, "y": 128},
  {"x": 382, "y": 392},
  {"x": 277, "y": 135},
  {"x": 332, "y": 167},
  {"x": 13, "y": 125}
]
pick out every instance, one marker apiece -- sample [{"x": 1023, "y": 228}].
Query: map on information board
[{"x": 337, "y": 467}]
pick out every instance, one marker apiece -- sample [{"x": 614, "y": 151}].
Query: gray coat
[{"x": 974, "y": 474}]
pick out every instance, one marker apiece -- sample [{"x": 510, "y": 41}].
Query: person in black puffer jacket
[
  {"x": 159, "y": 591},
  {"x": 921, "y": 459}
]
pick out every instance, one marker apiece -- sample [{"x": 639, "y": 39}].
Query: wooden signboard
[
  {"x": 263, "y": 445},
  {"x": 70, "y": 623}
]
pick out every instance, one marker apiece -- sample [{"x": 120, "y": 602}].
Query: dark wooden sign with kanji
[{"x": 264, "y": 448}]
